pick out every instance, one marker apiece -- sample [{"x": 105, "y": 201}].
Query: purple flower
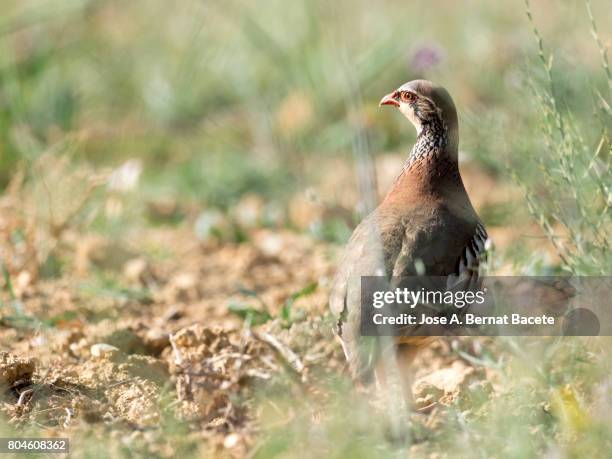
[{"x": 425, "y": 57}]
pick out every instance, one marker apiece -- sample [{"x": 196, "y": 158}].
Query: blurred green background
[
  {"x": 220, "y": 98},
  {"x": 212, "y": 100}
]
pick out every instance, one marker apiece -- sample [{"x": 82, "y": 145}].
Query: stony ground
[
  {"x": 164, "y": 344},
  {"x": 162, "y": 339}
]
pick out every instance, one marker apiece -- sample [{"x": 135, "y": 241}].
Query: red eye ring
[{"x": 407, "y": 96}]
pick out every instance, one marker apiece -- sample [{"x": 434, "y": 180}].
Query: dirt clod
[
  {"x": 443, "y": 385},
  {"x": 14, "y": 370}
]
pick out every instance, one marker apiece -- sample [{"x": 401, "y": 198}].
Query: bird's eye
[{"x": 407, "y": 96}]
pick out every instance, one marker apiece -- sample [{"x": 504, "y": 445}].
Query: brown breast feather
[{"x": 426, "y": 216}]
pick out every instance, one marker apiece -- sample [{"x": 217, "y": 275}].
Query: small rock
[
  {"x": 135, "y": 270},
  {"x": 248, "y": 212},
  {"x": 184, "y": 281},
  {"x": 182, "y": 287},
  {"x": 231, "y": 441},
  {"x": 156, "y": 341},
  {"x": 22, "y": 283},
  {"x": 172, "y": 313},
  {"x": 269, "y": 244},
  {"x": 103, "y": 350}
]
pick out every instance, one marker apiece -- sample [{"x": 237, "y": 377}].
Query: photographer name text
[{"x": 462, "y": 319}]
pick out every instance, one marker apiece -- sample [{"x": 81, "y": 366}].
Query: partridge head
[{"x": 424, "y": 103}]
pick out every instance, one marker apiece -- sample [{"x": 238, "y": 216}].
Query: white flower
[{"x": 126, "y": 176}]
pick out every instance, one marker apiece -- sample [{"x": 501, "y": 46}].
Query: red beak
[{"x": 389, "y": 99}]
